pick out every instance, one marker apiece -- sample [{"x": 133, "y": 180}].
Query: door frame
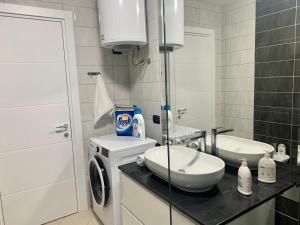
[
  {"x": 66, "y": 19},
  {"x": 201, "y": 32}
]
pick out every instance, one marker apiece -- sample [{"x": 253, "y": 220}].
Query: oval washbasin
[
  {"x": 191, "y": 170},
  {"x": 232, "y": 149}
]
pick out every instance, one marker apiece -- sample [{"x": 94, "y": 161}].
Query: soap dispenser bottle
[
  {"x": 244, "y": 179},
  {"x": 267, "y": 169}
]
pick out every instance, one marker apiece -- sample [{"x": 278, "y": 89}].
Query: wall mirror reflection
[
  {"x": 232, "y": 92},
  {"x": 237, "y": 69}
]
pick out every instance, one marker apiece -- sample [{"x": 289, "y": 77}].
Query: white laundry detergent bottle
[{"x": 138, "y": 124}]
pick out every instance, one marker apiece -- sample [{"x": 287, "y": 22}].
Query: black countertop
[{"x": 223, "y": 203}]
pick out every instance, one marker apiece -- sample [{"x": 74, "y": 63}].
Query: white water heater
[
  {"x": 122, "y": 23},
  {"x": 174, "y": 24}
]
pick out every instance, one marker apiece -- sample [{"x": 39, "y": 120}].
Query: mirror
[{"x": 238, "y": 69}]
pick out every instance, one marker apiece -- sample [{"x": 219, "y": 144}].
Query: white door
[
  {"x": 37, "y": 181},
  {"x": 192, "y": 71}
]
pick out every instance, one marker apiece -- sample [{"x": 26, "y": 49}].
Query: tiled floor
[{"x": 82, "y": 218}]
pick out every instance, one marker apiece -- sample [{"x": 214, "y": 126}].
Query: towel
[
  {"x": 140, "y": 160},
  {"x": 103, "y": 104}
]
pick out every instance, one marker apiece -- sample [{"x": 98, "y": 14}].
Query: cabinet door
[
  {"x": 128, "y": 218},
  {"x": 149, "y": 205}
]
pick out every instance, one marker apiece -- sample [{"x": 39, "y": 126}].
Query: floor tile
[{"x": 82, "y": 218}]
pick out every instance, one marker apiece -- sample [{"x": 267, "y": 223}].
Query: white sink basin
[
  {"x": 232, "y": 149},
  {"x": 191, "y": 170}
]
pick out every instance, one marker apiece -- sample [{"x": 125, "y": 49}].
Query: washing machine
[{"x": 106, "y": 154}]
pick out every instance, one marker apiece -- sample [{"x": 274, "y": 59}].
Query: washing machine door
[{"x": 99, "y": 182}]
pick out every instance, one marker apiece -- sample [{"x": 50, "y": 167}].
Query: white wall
[
  {"x": 238, "y": 72},
  {"x": 146, "y": 82}
]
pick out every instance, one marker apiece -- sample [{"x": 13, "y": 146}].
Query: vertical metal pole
[
  {"x": 167, "y": 102},
  {"x": 1, "y": 212}
]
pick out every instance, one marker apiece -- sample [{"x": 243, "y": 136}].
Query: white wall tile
[
  {"x": 111, "y": 89},
  {"x": 219, "y": 97},
  {"x": 240, "y": 125},
  {"x": 238, "y": 111},
  {"x": 152, "y": 9},
  {"x": 87, "y": 110},
  {"x": 83, "y": 17},
  {"x": 219, "y": 121},
  {"x": 219, "y": 110},
  {"x": 120, "y": 60},
  {"x": 105, "y": 126},
  {"x": 237, "y": 15},
  {"x": 219, "y": 60},
  {"x": 208, "y": 6},
  {"x": 87, "y": 36},
  {"x": 191, "y": 3},
  {"x": 153, "y": 32},
  {"x": 240, "y": 43},
  {"x": 239, "y": 29},
  {"x": 54, "y": 1},
  {"x": 240, "y": 57},
  {"x": 153, "y": 130},
  {"x": 209, "y": 17},
  {"x": 239, "y": 71},
  {"x": 86, "y": 93},
  {"x": 122, "y": 91},
  {"x": 191, "y": 16},
  {"x": 121, "y": 74},
  {"x": 153, "y": 50},
  {"x": 239, "y": 85},
  {"x": 124, "y": 102},
  {"x": 242, "y": 98},
  {"x": 219, "y": 46},
  {"x": 87, "y": 56},
  {"x": 237, "y": 4},
  {"x": 106, "y": 74}
]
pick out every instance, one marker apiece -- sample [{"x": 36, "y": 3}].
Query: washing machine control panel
[
  {"x": 105, "y": 152},
  {"x": 98, "y": 150}
]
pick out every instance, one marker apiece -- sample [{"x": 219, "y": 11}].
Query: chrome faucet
[
  {"x": 193, "y": 141},
  {"x": 190, "y": 141},
  {"x": 214, "y": 133}
]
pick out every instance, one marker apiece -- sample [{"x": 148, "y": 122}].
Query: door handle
[
  {"x": 62, "y": 128},
  {"x": 181, "y": 111}
]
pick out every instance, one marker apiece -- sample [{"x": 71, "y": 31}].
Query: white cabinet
[
  {"x": 128, "y": 218},
  {"x": 141, "y": 207}
]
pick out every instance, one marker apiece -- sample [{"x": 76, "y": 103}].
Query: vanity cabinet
[
  {"x": 140, "y": 207},
  {"x": 128, "y": 218}
]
